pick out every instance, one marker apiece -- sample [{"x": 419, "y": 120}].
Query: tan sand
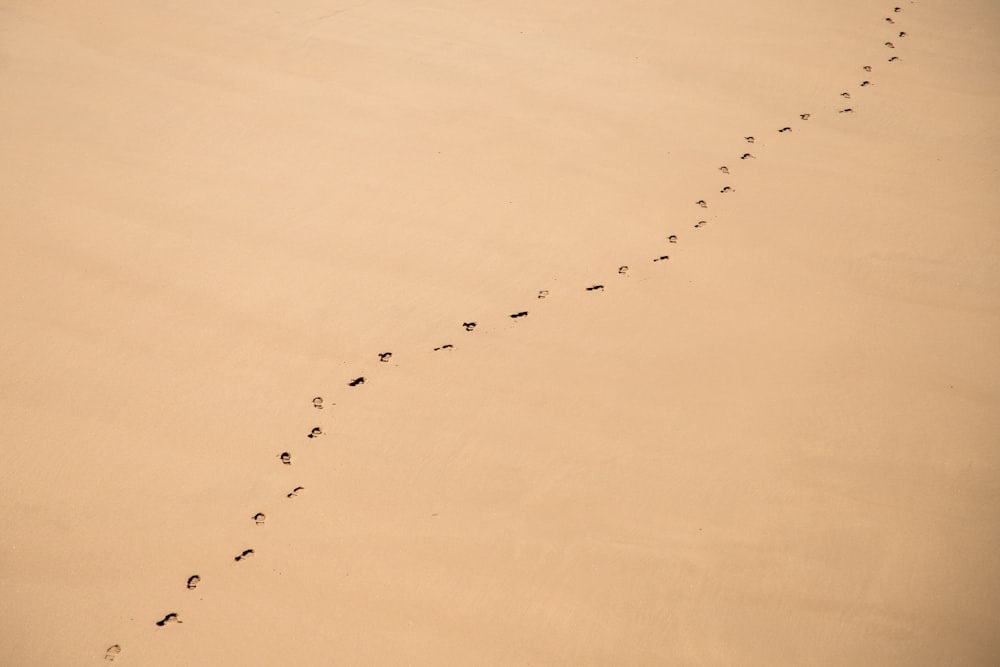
[{"x": 778, "y": 447}]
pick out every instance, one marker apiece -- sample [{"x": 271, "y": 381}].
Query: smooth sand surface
[{"x": 777, "y": 447}]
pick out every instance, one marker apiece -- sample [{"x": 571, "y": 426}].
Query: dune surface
[{"x": 748, "y": 417}]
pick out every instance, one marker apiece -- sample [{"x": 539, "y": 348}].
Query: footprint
[
  {"x": 700, "y": 224},
  {"x": 726, "y": 190},
  {"x": 890, "y": 45},
  {"x": 846, "y": 95},
  {"x": 747, "y": 156},
  {"x": 444, "y": 347},
  {"x": 594, "y": 288},
  {"x": 893, "y": 59},
  {"x": 112, "y": 652},
  {"x": 523, "y": 313},
  {"x": 749, "y": 140},
  {"x": 469, "y": 326},
  {"x": 193, "y": 582},
  {"x": 169, "y": 618},
  {"x": 544, "y": 293},
  {"x": 724, "y": 170},
  {"x": 672, "y": 238},
  {"x": 902, "y": 34},
  {"x": 888, "y": 19},
  {"x": 243, "y": 556},
  {"x": 867, "y": 68},
  {"x": 315, "y": 433},
  {"x": 865, "y": 83},
  {"x": 296, "y": 491},
  {"x": 661, "y": 258},
  {"x": 897, "y": 9},
  {"x": 785, "y": 129},
  {"x": 384, "y": 357},
  {"x": 286, "y": 458},
  {"x": 623, "y": 270},
  {"x": 701, "y": 202},
  {"x": 318, "y": 402},
  {"x": 804, "y": 116},
  {"x": 259, "y": 518},
  {"x": 356, "y": 381},
  {"x": 847, "y": 110}
]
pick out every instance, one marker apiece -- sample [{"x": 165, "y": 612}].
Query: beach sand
[{"x": 776, "y": 447}]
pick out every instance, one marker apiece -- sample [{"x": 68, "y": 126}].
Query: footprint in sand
[
  {"x": 315, "y": 433},
  {"x": 890, "y": 45},
  {"x": 893, "y": 59},
  {"x": 523, "y": 313},
  {"x": 112, "y": 652},
  {"x": 700, "y": 224},
  {"x": 356, "y": 381},
  {"x": 888, "y": 19},
  {"x": 259, "y": 518},
  {"x": 296, "y": 491},
  {"x": 672, "y": 238},
  {"x": 318, "y": 402},
  {"x": 544, "y": 293},
  {"x": 244, "y": 555},
  {"x": 623, "y": 270},
  {"x": 384, "y": 357},
  {"x": 724, "y": 170},
  {"x": 444, "y": 347},
  {"x": 902, "y": 34},
  {"x": 701, "y": 202},
  {"x": 469, "y": 326},
  {"x": 804, "y": 116},
  {"x": 785, "y": 129},
  {"x": 193, "y": 581},
  {"x": 169, "y": 618},
  {"x": 747, "y": 156},
  {"x": 897, "y": 9},
  {"x": 595, "y": 288},
  {"x": 846, "y": 95},
  {"x": 865, "y": 84},
  {"x": 726, "y": 190},
  {"x": 749, "y": 140},
  {"x": 286, "y": 458},
  {"x": 847, "y": 110},
  {"x": 867, "y": 68},
  {"x": 661, "y": 258}
]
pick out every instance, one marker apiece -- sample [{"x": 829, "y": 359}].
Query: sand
[{"x": 776, "y": 447}]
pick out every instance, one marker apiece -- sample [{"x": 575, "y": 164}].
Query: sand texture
[{"x": 769, "y": 434}]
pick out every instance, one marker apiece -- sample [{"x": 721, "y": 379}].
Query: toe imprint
[{"x": 847, "y": 110}]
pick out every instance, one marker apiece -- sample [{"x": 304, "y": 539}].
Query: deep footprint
[
  {"x": 193, "y": 581},
  {"x": 169, "y": 618},
  {"x": 384, "y": 357},
  {"x": 243, "y": 556},
  {"x": 286, "y": 458},
  {"x": 356, "y": 381},
  {"x": 469, "y": 326},
  {"x": 523, "y": 313},
  {"x": 593, "y": 288},
  {"x": 296, "y": 491},
  {"x": 315, "y": 433}
]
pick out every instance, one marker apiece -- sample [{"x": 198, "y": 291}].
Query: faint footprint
[
  {"x": 897, "y": 9},
  {"x": 867, "y": 68},
  {"x": 724, "y": 170},
  {"x": 847, "y": 110},
  {"x": 384, "y": 357},
  {"x": 444, "y": 347},
  {"x": 595, "y": 288},
  {"x": 286, "y": 458},
  {"x": 469, "y": 326},
  {"x": 749, "y": 140},
  {"x": 112, "y": 652},
  {"x": 785, "y": 129},
  {"x": 701, "y": 202},
  {"x": 846, "y": 95},
  {"x": 523, "y": 313},
  {"x": 193, "y": 582},
  {"x": 747, "y": 156},
  {"x": 243, "y": 556},
  {"x": 661, "y": 258},
  {"x": 804, "y": 116},
  {"x": 888, "y": 19},
  {"x": 356, "y": 381},
  {"x": 623, "y": 270},
  {"x": 726, "y": 190},
  {"x": 315, "y": 433},
  {"x": 169, "y": 618},
  {"x": 672, "y": 238},
  {"x": 259, "y": 518},
  {"x": 893, "y": 59},
  {"x": 296, "y": 491},
  {"x": 700, "y": 224},
  {"x": 318, "y": 402},
  {"x": 890, "y": 45},
  {"x": 544, "y": 293}
]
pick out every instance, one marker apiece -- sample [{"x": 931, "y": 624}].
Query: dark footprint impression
[
  {"x": 749, "y": 140},
  {"x": 469, "y": 326},
  {"x": 384, "y": 357},
  {"x": 890, "y": 45},
  {"x": 169, "y": 618},
  {"x": 259, "y": 518},
  {"x": 865, "y": 84},
  {"x": 724, "y": 169},
  {"x": 356, "y": 381},
  {"x": 672, "y": 238},
  {"x": 444, "y": 347},
  {"x": 888, "y": 19},
  {"x": 318, "y": 402},
  {"x": 804, "y": 116},
  {"x": 701, "y": 202},
  {"x": 544, "y": 293},
  {"x": 315, "y": 433},
  {"x": 867, "y": 68},
  {"x": 847, "y": 110},
  {"x": 595, "y": 288},
  {"x": 243, "y": 556},
  {"x": 286, "y": 458},
  {"x": 112, "y": 652},
  {"x": 902, "y": 34},
  {"x": 623, "y": 270},
  {"x": 785, "y": 129},
  {"x": 893, "y": 59},
  {"x": 726, "y": 190},
  {"x": 661, "y": 258},
  {"x": 523, "y": 313},
  {"x": 193, "y": 581},
  {"x": 700, "y": 224},
  {"x": 747, "y": 156},
  {"x": 296, "y": 491},
  {"x": 846, "y": 95}
]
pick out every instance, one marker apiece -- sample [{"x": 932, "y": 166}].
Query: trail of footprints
[{"x": 318, "y": 403}]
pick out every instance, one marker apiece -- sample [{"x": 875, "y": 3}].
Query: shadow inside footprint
[
  {"x": 804, "y": 116},
  {"x": 593, "y": 288},
  {"x": 315, "y": 433},
  {"x": 296, "y": 491},
  {"x": 318, "y": 402},
  {"x": 867, "y": 68},
  {"x": 846, "y": 95},
  {"x": 749, "y": 140},
  {"x": 112, "y": 652},
  {"x": 259, "y": 518},
  {"x": 286, "y": 458},
  {"x": 672, "y": 238},
  {"x": 384, "y": 357},
  {"x": 702, "y": 203},
  {"x": 747, "y": 156},
  {"x": 356, "y": 381},
  {"x": 893, "y": 59},
  {"x": 661, "y": 258},
  {"x": 244, "y": 555},
  {"x": 623, "y": 270},
  {"x": 169, "y": 618},
  {"x": 724, "y": 169},
  {"x": 523, "y": 313},
  {"x": 444, "y": 347},
  {"x": 865, "y": 83},
  {"x": 193, "y": 581},
  {"x": 847, "y": 110},
  {"x": 890, "y": 45},
  {"x": 785, "y": 129},
  {"x": 469, "y": 326},
  {"x": 726, "y": 190}
]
